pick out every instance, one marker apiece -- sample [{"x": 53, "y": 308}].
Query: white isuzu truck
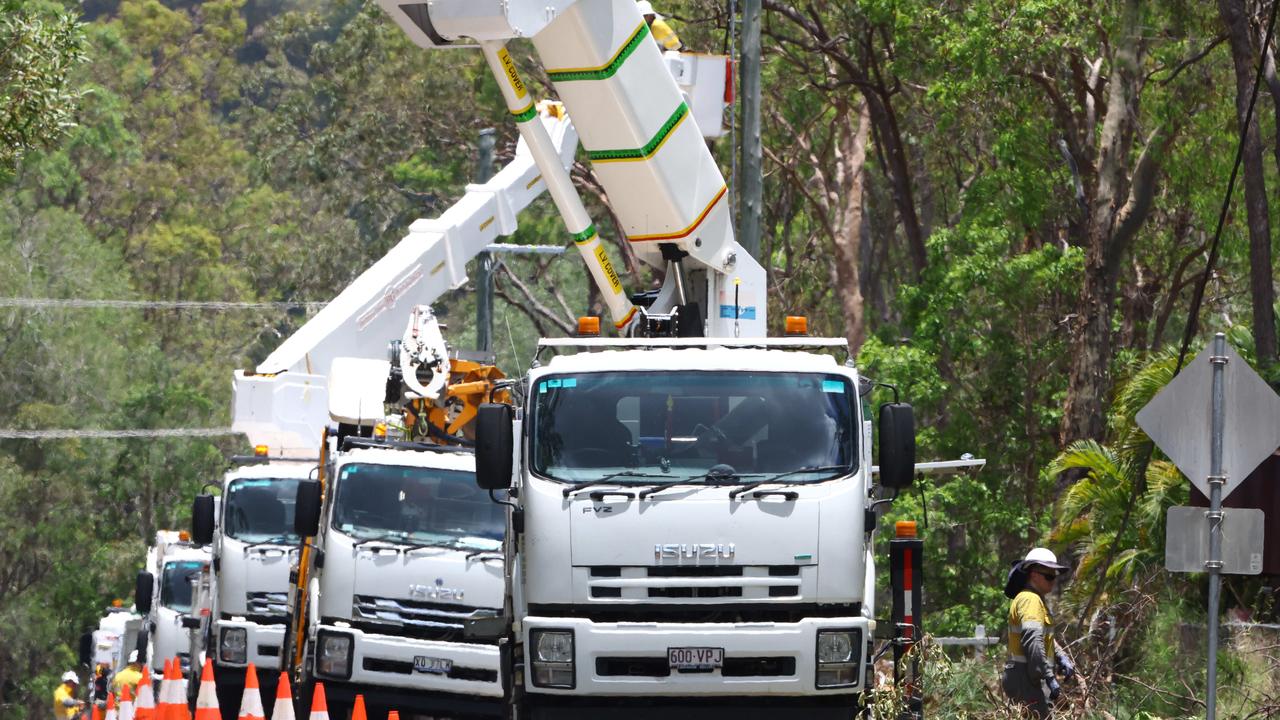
[
  {"x": 691, "y": 534},
  {"x": 167, "y": 595},
  {"x": 404, "y": 550},
  {"x": 253, "y": 544}
]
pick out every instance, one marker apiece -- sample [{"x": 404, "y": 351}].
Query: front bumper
[
  {"x": 264, "y": 643},
  {"x": 387, "y": 661},
  {"x": 761, "y": 658}
]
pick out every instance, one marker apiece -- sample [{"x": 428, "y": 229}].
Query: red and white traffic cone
[
  {"x": 357, "y": 710},
  {"x": 283, "y": 708},
  {"x": 319, "y": 706},
  {"x": 126, "y": 703},
  {"x": 207, "y": 699},
  {"x": 393, "y": 715},
  {"x": 251, "y": 701},
  {"x": 145, "y": 706},
  {"x": 111, "y": 707},
  {"x": 163, "y": 710}
]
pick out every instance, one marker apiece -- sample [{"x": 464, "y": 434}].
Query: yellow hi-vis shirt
[
  {"x": 665, "y": 36},
  {"x": 61, "y": 696},
  {"x": 128, "y": 676},
  {"x": 1031, "y": 633}
]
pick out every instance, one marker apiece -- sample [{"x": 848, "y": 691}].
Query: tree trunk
[
  {"x": 848, "y": 239},
  {"x": 1262, "y": 293},
  {"x": 1109, "y": 232}
]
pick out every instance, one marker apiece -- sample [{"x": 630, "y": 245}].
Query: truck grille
[
  {"x": 746, "y": 582},
  {"x": 267, "y": 603},
  {"x": 697, "y": 613},
  {"x": 657, "y": 667},
  {"x": 401, "y": 667},
  {"x": 412, "y": 618}
]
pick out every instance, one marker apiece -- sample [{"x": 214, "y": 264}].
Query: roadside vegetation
[{"x": 1006, "y": 207}]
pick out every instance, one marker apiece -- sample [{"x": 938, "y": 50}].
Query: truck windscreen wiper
[
  {"x": 396, "y": 539},
  {"x": 611, "y": 477},
  {"x": 774, "y": 478},
  {"x": 718, "y": 475},
  {"x": 278, "y": 540}
]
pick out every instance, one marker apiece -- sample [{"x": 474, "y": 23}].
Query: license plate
[
  {"x": 435, "y": 666},
  {"x": 694, "y": 659}
]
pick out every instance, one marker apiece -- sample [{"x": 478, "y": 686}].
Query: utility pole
[
  {"x": 484, "y": 261},
  {"x": 751, "y": 197}
]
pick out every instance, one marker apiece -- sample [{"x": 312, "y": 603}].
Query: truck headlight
[
  {"x": 553, "y": 658},
  {"x": 233, "y": 646},
  {"x": 333, "y": 654},
  {"x": 838, "y": 658}
]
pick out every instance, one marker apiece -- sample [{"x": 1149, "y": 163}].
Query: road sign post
[{"x": 1232, "y": 401}]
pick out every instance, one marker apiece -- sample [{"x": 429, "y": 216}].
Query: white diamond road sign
[{"x": 1179, "y": 420}]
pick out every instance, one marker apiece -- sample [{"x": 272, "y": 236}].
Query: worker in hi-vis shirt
[
  {"x": 662, "y": 32},
  {"x": 1029, "y": 678}
]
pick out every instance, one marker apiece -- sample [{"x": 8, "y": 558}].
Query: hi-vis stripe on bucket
[
  {"x": 650, "y": 148},
  {"x": 609, "y": 69}
]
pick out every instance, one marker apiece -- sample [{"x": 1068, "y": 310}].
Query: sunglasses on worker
[{"x": 1050, "y": 576}]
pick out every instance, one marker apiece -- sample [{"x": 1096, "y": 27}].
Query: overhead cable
[
  {"x": 73, "y": 434},
  {"x": 77, "y": 303}
]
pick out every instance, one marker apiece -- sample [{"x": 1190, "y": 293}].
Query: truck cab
[
  {"x": 406, "y": 550},
  {"x": 167, "y": 593},
  {"x": 690, "y": 533},
  {"x": 251, "y": 535}
]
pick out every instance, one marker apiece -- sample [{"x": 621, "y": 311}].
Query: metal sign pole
[{"x": 1216, "y": 481}]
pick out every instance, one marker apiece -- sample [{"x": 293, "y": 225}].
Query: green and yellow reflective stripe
[
  {"x": 526, "y": 114},
  {"x": 586, "y": 236},
  {"x": 606, "y": 71},
  {"x": 650, "y": 148}
]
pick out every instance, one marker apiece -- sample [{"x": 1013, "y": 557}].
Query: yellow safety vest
[
  {"x": 665, "y": 36},
  {"x": 127, "y": 676},
  {"x": 61, "y": 710},
  {"x": 1028, "y": 611}
]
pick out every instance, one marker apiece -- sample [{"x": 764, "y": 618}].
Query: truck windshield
[
  {"x": 417, "y": 505},
  {"x": 681, "y": 425},
  {"x": 176, "y": 584},
  {"x": 261, "y": 510}
]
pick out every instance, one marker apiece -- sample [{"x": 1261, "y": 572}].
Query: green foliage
[{"x": 40, "y": 45}]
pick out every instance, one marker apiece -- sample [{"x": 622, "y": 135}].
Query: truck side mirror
[
  {"x": 495, "y": 443},
  {"x": 86, "y": 649},
  {"x": 306, "y": 514},
  {"x": 897, "y": 445},
  {"x": 142, "y": 591},
  {"x": 202, "y": 519}
]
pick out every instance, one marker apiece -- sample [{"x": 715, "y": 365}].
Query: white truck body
[
  {"x": 176, "y": 565},
  {"x": 411, "y": 549},
  {"x": 253, "y": 550},
  {"x": 115, "y": 637},
  {"x": 694, "y": 593}
]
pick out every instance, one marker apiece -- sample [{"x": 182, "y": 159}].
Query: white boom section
[
  {"x": 637, "y": 128},
  {"x": 283, "y": 403}
]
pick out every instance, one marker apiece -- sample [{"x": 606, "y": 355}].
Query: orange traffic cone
[
  {"x": 145, "y": 706},
  {"x": 319, "y": 707},
  {"x": 126, "y": 703},
  {"x": 163, "y": 711},
  {"x": 283, "y": 709},
  {"x": 251, "y": 701},
  {"x": 357, "y": 711},
  {"x": 207, "y": 700},
  {"x": 111, "y": 707},
  {"x": 393, "y": 715}
]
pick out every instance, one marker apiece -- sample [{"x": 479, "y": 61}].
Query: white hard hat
[
  {"x": 645, "y": 8},
  {"x": 71, "y": 677},
  {"x": 133, "y": 656},
  {"x": 1043, "y": 557}
]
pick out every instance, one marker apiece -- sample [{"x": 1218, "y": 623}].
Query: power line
[
  {"x": 72, "y": 434},
  {"x": 77, "y": 304}
]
